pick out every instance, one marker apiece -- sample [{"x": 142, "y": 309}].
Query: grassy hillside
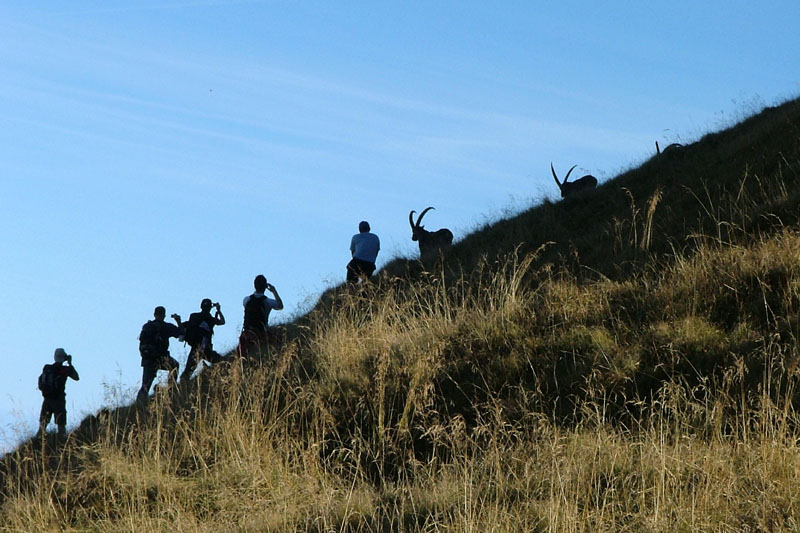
[{"x": 622, "y": 361}]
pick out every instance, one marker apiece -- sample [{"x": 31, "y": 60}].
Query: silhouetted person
[
  {"x": 198, "y": 331},
  {"x": 364, "y": 247},
  {"x": 255, "y": 335},
  {"x": 53, "y": 383},
  {"x": 154, "y": 349}
]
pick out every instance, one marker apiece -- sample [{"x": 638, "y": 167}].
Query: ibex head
[
  {"x": 430, "y": 242},
  {"x": 670, "y": 148},
  {"x": 416, "y": 228},
  {"x": 569, "y": 188}
]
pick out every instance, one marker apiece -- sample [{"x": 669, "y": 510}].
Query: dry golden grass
[
  {"x": 521, "y": 391},
  {"x": 373, "y": 444}
]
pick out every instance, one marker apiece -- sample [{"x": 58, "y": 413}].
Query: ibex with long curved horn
[
  {"x": 569, "y": 188},
  {"x": 669, "y": 149},
  {"x": 431, "y": 243}
]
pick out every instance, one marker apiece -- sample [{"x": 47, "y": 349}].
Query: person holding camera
[
  {"x": 154, "y": 349},
  {"x": 198, "y": 331},
  {"x": 53, "y": 383},
  {"x": 256, "y": 337}
]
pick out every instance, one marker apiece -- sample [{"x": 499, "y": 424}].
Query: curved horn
[
  {"x": 423, "y": 214},
  {"x": 554, "y": 174},
  {"x": 569, "y": 172},
  {"x": 411, "y": 219}
]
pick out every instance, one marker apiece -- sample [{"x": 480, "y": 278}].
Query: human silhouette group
[{"x": 256, "y": 337}]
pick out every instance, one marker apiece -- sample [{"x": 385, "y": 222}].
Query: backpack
[
  {"x": 194, "y": 332},
  {"x": 255, "y": 313},
  {"x": 48, "y": 381},
  {"x": 150, "y": 340}
]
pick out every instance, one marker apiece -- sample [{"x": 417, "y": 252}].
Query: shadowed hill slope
[
  {"x": 599, "y": 363},
  {"x": 728, "y": 184}
]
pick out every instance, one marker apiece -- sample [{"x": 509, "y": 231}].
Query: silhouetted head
[
  {"x": 260, "y": 283},
  {"x": 206, "y": 305},
  {"x": 60, "y": 355},
  {"x": 363, "y": 226},
  {"x": 159, "y": 312}
]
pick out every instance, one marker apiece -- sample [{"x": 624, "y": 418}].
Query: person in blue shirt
[{"x": 364, "y": 248}]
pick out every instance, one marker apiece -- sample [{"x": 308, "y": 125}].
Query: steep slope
[
  {"x": 603, "y": 362},
  {"x": 745, "y": 176}
]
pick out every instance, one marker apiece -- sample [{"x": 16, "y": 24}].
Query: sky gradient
[{"x": 157, "y": 153}]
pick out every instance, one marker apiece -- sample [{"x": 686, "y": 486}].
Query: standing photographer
[
  {"x": 53, "y": 383},
  {"x": 198, "y": 331},
  {"x": 154, "y": 349},
  {"x": 256, "y": 337}
]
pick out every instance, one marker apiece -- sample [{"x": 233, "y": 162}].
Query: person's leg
[
  {"x": 352, "y": 272},
  {"x": 264, "y": 347},
  {"x": 358, "y": 269},
  {"x": 246, "y": 344},
  {"x": 61, "y": 422},
  {"x": 365, "y": 269},
  {"x": 44, "y": 417},
  {"x": 148, "y": 375},
  {"x": 172, "y": 366},
  {"x": 191, "y": 363}
]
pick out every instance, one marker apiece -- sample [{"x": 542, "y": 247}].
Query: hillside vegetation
[{"x": 626, "y": 360}]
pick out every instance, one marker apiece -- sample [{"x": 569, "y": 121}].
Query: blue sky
[{"x": 157, "y": 153}]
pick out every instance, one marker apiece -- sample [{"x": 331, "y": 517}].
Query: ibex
[
  {"x": 669, "y": 149},
  {"x": 431, "y": 243},
  {"x": 581, "y": 184}
]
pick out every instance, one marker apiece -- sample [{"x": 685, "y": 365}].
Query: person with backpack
[
  {"x": 198, "y": 331},
  {"x": 53, "y": 383},
  {"x": 364, "y": 248},
  {"x": 154, "y": 349},
  {"x": 255, "y": 335}
]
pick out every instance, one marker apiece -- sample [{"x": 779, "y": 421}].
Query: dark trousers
[
  {"x": 195, "y": 354},
  {"x": 253, "y": 343},
  {"x": 358, "y": 268},
  {"x": 150, "y": 368},
  {"x": 257, "y": 344},
  {"x": 56, "y": 408}
]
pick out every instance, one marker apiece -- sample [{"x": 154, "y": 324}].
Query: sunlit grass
[{"x": 639, "y": 375}]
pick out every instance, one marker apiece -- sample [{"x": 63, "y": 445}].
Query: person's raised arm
[
  {"x": 219, "y": 316},
  {"x": 271, "y": 288},
  {"x": 172, "y": 330},
  {"x": 72, "y": 372}
]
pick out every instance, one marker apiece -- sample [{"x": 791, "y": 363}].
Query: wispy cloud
[
  {"x": 161, "y": 6},
  {"x": 339, "y": 103}
]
